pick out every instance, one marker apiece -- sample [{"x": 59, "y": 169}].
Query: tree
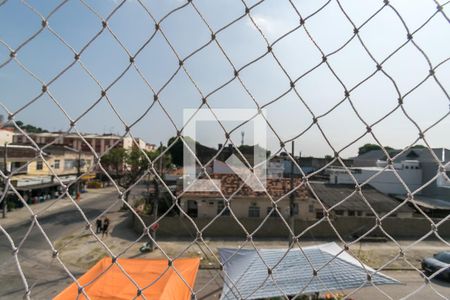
[
  {"x": 369, "y": 147},
  {"x": 203, "y": 153},
  {"x": 127, "y": 166},
  {"x": 30, "y": 128},
  {"x": 176, "y": 151},
  {"x": 418, "y": 147}
]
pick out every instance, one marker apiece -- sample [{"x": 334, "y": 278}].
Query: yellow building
[
  {"x": 61, "y": 161},
  {"x": 249, "y": 204},
  {"x": 38, "y": 178}
]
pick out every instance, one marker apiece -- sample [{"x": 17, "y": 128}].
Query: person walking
[
  {"x": 105, "y": 227},
  {"x": 98, "y": 226}
]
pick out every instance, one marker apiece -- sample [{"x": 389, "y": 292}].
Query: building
[
  {"x": 35, "y": 178},
  {"x": 150, "y": 147},
  {"x": 346, "y": 203},
  {"x": 247, "y": 203},
  {"x": 6, "y": 135},
  {"x": 307, "y": 202},
  {"x": 417, "y": 168},
  {"x": 308, "y": 164},
  {"x": 100, "y": 143},
  {"x": 383, "y": 180},
  {"x": 370, "y": 158},
  {"x": 16, "y": 158}
]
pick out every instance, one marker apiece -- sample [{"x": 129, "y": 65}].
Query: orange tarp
[{"x": 106, "y": 281}]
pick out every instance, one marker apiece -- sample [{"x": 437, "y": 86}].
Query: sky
[{"x": 75, "y": 91}]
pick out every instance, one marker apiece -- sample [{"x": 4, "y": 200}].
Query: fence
[
  {"x": 52, "y": 83},
  {"x": 406, "y": 228}
]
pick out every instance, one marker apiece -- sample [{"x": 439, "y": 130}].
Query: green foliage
[
  {"x": 126, "y": 166},
  {"x": 176, "y": 151},
  {"x": 30, "y": 128},
  {"x": 205, "y": 153},
  {"x": 418, "y": 147},
  {"x": 369, "y": 147},
  {"x": 114, "y": 159}
]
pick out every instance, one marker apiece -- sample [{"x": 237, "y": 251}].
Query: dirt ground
[{"x": 81, "y": 250}]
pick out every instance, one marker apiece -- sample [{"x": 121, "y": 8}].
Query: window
[
  {"x": 39, "y": 165},
  {"x": 359, "y": 213},
  {"x": 192, "y": 208},
  {"x": 253, "y": 211},
  {"x": 295, "y": 209},
  {"x": 69, "y": 164},
  {"x": 319, "y": 214},
  {"x": 351, "y": 213},
  {"x": 16, "y": 165},
  {"x": 273, "y": 214},
  {"x": 56, "y": 164},
  {"x": 339, "y": 212},
  {"x": 220, "y": 207}
]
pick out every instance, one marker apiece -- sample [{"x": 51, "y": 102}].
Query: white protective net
[{"x": 167, "y": 78}]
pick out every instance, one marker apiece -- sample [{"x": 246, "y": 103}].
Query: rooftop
[{"x": 331, "y": 194}]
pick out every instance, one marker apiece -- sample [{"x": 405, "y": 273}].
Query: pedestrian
[
  {"x": 99, "y": 226},
  {"x": 105, "y": 226}
]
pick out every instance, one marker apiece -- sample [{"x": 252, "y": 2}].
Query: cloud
[{"x": 271, "y": 27}]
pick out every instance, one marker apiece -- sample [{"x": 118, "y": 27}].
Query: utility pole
[
  {"x": 5, "y": 171},
  {"x": 291, "y": 199},
  {"x": 78, "y": 174},
  {"x": 157, "y": 192},
  {"x": 77, "y": 186}
]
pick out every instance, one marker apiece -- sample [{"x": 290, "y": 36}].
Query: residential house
[
  {"x": 345, "y": 202},
  {"x": 418, "y": 169},
  {"x": 246, "y": 203},
  {"x": 99, "y": 142},
  {"x": 34, "y": 178}
]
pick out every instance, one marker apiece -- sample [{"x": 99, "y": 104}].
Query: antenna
[{"x": 242, "y": 140}]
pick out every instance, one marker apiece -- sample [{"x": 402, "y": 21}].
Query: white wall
[
  {"x": 6, "y": 136},
  {"x": 386, "y": 182}
]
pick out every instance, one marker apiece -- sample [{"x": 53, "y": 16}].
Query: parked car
[{"x": 437, "y": 262}]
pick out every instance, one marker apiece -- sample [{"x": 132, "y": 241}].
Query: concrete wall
[
  {"x": 398, "y": 228},
  {"x": 6, "y": 136},
  {"x": 433, "y": 190},
  {"x": 208, "y": 207}
]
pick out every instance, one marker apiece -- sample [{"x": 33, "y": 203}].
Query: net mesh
[{"x": 183, "y": 60}]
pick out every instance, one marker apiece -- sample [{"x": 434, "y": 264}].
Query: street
[{"x": 41, "y": 270}]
